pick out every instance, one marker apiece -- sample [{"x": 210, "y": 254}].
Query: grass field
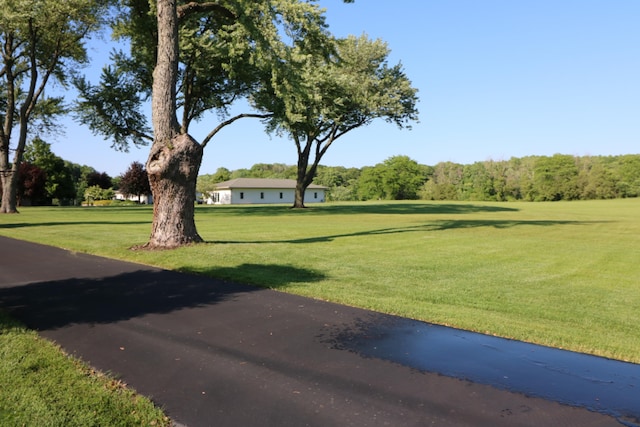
[{"x": 563, "y": 274}]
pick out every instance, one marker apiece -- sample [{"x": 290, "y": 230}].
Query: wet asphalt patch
[{"x": 599, "y": 384}]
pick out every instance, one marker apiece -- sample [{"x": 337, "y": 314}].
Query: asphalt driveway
[{"x": 213, "y": 353}]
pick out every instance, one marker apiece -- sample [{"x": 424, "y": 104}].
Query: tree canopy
[
  {"x": 321, "y": 98},
  {"x": 40, "y": 41},
  {"x": 194, "y": 58}
]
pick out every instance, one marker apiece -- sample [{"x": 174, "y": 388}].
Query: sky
[{"x": 496, "y": 79}]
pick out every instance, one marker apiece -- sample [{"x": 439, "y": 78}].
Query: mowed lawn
[{"x": 564, "y": 274}]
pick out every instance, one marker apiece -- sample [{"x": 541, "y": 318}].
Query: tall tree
[
  {"x": 397, "y": 178},
  {"x": 402, "y": 178},
  {"x": 204, "y": 56},
  {"x": 40, "y": 41},
  {"x": 320, "y": 99}
]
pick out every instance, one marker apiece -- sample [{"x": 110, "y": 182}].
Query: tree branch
[
  {"x": 195, "y": 7},
  {"x": 138, "y": 134},
  {"x": 228, "y": 122}
]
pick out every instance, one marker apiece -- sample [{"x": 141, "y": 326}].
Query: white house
[
  {"x": 145, "y": 199},
  {"x": 261, "y": 191}
]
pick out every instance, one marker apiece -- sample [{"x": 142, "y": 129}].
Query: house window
[
  {"x": 281, "y": 195},
  {"x": 261, "y": 195},
  {"x": 241, "y": 195},
  {"x": 315, "y": 195}
]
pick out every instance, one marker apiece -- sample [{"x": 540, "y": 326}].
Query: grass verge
[{"x": 41, "y": 386}]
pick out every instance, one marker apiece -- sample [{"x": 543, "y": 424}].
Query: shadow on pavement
[{"x": 55, "y": 304}]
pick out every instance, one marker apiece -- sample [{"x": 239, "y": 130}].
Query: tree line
[
  {"x": 531, "y": 178},
  {"x": 46, "y": 179}
]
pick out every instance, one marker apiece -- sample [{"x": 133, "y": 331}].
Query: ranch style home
[{"x": 261, "y": 191}]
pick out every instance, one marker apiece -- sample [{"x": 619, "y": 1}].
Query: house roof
[{"x": 284, "y": 184}]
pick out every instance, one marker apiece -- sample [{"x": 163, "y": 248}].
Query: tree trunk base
[
  {"x": 173, "y": 171},
  {"x": 151, "y": 247}
]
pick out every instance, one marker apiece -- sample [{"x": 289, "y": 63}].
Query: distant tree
[
  {"x": 369, "y": 185},
  {"x": 319, "y": 99},
  {"x": 445, "y": 183},
  {"x": 240, "y": 173},
  {"x": 397, "y": 178},
  {"x": 116, "y": 182},
  {"x": 101, "y": 179},
  {"x": 628, "y": 172},
  {"x": 342, "y": 182},
  {"x": 95, "y": 192},
  {"x": 274, "y": 171},
  {"x": 595, "y": 178},
  {"x": 336, "y": 176},
  {"x": 477, "y": 182},
  {"x": 60, "y": 185},
  {"x": 221, "y": 175},
  {"x": 40, "y": 42},
  {"x": 31, "y": 185},
  {"x": 402, "y": 178},
  {"x": 135, "y": 181},
  {"x": 556, "y": 178}
]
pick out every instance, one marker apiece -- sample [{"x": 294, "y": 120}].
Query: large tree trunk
[
  {"x": 9, "y": 170},
  {"x": 175, "y": 157},
  {"x": 305, "y": 174},
  {"x": 9, "y": 180},
  {"x": 301, "y": 179},
  {"x": 173, "y": 171},
  {"x": 299, "y": 195}
]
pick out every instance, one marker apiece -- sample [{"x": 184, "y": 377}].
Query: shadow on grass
[
  {"x": 400, "y": 208},
  {"x": 65, "y": 223},
  {"x": 52, "y": 305},
  {"x": 263, "y": 275},
  {"x": 432, "y": 226}
]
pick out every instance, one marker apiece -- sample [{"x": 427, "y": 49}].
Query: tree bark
[
  {"x": 305, "y": 174},
  {"x": 173, "y": 171},
  {"x": 298, "y": 202},
  {"x": 301, "y": 175},
  {"x": 9, "y": 170},
  {"x": 9, "y": 180}
]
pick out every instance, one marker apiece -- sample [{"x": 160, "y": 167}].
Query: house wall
[
  {"x": 145, "y": 199},
  {"x": 245, "y": 196}
]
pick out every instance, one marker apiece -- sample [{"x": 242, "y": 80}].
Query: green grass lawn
[
  {"x": 41, "y": 386},
  {"x": 563, "y": 274}
]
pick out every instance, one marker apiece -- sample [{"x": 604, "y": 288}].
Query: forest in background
[
  {"x": 48, "y": 179},
  {"x": 531, "y": 178}
]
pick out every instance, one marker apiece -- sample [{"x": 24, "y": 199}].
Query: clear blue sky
[{"x": 496, "y": 78}]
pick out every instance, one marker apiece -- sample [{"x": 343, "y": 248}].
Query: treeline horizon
[{"x": 530, "y": 178}]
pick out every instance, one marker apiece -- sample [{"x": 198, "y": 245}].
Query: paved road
[{"x": 219, "y": 354}]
